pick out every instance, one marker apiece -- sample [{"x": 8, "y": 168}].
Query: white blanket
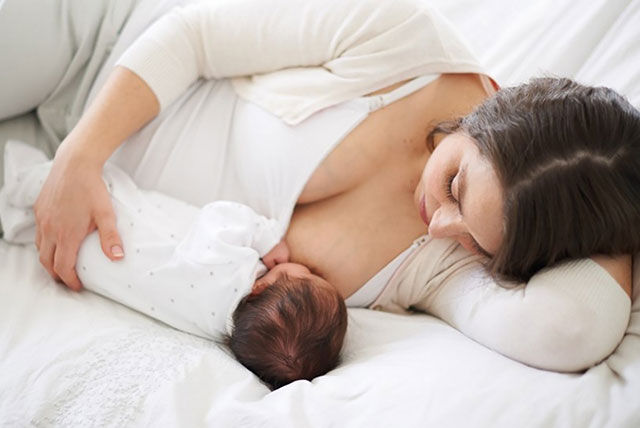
[{"x": 70, "y": 359}]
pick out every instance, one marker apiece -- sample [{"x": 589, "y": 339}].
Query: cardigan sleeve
[
  {"x": 360, "y": 44},
  {"x": 567, "y": 318}
]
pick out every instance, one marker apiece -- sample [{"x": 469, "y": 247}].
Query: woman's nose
[{"x": 446, "y": 222}]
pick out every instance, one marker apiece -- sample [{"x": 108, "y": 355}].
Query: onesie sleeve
[
  {"x": 566, "y": 318},
  {"x": 354, "y": 40},
  {"x": 25, "y": 170},
  {"x": 228, "y": 224}
]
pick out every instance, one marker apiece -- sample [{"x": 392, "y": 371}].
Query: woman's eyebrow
[{"x": 462, "y": 189}]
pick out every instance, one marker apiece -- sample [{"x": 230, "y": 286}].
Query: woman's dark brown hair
[{"x": 568, "y": 158}]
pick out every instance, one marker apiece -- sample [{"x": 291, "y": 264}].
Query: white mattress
[{"x": 78, "y": 360}]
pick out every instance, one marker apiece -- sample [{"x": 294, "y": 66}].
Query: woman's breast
[
  {"x": 356, "y": 213},
  {"x": 349, "y": 237}
]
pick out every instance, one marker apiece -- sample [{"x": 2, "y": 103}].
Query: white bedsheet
[
  {"x": 70, "y": 359},
  {"x": 77, "y": 359}
]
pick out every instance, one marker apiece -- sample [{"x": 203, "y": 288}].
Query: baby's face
[{"x": 293, "y": 270}]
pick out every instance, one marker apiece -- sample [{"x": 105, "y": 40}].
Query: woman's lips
[{"x": 423, "y": 211}]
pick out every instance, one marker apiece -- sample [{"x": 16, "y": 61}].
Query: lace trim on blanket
[{"x": 108, "y": 385}]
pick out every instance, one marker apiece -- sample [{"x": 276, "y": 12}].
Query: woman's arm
[
  {"x": 301, "y": 56},
  {"x": 74, "y": 200},
  {"x": 620, "y": 269},
  {"x": 567, "y": 318}
]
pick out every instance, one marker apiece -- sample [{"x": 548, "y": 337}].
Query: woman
[{"x": 368, "y": 194}]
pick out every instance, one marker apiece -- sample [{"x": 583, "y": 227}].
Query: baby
[
  {"x": 291, "y": 326},
  {"x": 198, "y": 270}
]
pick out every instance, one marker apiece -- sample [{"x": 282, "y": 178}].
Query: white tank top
[{"x": 211, "y": 144}]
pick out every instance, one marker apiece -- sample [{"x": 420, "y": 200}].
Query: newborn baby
[
  {"x": 198, "y": 271},
  {"x": 291, "y": 326}
]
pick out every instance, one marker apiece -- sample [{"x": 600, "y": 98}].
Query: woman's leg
[{"x": 51, "y": 52}]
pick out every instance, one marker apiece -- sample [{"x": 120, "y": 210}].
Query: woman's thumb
[{"x": 109, "y": 236}]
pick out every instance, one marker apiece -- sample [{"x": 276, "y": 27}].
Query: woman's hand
[{"x": 72, "y": 203}]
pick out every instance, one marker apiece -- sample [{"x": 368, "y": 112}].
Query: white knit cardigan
[{"x": 294, "y": 58}]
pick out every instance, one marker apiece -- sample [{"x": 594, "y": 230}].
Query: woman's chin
[{"x": 466, "y": 245}]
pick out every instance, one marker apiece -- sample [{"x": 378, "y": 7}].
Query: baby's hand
[{"x": 278, "y": 254}]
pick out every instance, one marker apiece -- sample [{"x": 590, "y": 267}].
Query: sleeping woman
[{"x": 406, "y": 177}]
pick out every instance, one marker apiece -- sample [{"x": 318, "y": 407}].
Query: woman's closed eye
[{"x": 448, "y": 189}]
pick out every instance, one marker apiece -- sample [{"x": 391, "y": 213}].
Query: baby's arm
[
  {"x": 231, "y": 224},
  {"x": 566, "y": 318}
]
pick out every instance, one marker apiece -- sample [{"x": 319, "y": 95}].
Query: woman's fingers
[
  {"x": 47, "y": 251},
  {"x": 38, "y": 238},
  {"x": 63, "y": 212},
  {"x": 64, "y": 263},
  {"x": 59, "y": 259}
]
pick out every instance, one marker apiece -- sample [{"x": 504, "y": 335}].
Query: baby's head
[{"x": 290, "y": 327}]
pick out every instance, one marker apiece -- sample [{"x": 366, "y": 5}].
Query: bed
[{"x": 76, "y": 360}]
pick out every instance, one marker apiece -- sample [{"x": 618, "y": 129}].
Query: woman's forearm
[
  {"x": 567, "y": 318},
  {"x": 122, "y": 107},
  {"x": 619, "y": 267}
]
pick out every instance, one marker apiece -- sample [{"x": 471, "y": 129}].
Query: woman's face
[{"x": 459, "y": 196}]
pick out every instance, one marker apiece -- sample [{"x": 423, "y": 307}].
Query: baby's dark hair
[{"x": 293, "y": 329}]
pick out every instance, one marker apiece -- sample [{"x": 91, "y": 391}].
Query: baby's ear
[{"x": 258, "y": 287}]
